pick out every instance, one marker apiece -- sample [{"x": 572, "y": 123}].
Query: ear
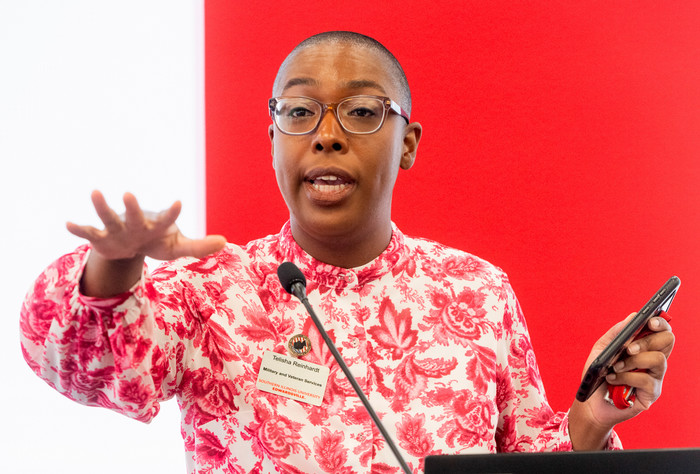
[
  {"x": 271, "y": 132},
  {"x": 411, "y": 138}
]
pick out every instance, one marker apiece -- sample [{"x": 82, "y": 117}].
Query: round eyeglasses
[{"x": 360, "y": 114}]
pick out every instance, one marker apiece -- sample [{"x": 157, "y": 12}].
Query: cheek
[
  {"x": 286, "y": 174},
  {"x": 281, "y": 153},
  {"x": 387, "y": 168},
  {"x": 281, "y": 175}
]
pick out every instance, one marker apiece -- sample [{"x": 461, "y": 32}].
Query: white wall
[{"x": 93, "y": 95}]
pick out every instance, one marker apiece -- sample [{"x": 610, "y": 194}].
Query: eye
[
  {"x": 298, "y": 112},
  {"x": 362, "y": 112},
  {"x": 362, "y": 108}
]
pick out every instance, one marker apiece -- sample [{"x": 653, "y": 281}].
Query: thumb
[{"x": 199, "y": 248}]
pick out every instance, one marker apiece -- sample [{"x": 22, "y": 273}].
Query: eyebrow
[
  {"x": 300, "y": 81},
  {"x": 362, "y": 84},
  {"x": 356, "y": 84}
]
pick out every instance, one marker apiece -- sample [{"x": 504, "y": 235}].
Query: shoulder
[
  {"x": 465, "y": 294},
  {"x": 452, "y": 263}
]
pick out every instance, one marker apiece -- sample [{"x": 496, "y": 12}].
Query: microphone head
[{"x": 289, "y": 275}]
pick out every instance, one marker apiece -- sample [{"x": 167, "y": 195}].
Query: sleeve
[
  {"x": 113, "y": 352},
  {"x": 526, "y": 421}
]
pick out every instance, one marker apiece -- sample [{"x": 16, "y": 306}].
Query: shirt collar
[{"x": 325, "y": 276}]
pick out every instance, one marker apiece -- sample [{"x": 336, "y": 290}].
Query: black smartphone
[{"x": 602, "y": 365}]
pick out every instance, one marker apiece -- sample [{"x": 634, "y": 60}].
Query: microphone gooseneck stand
[{"x": 294, "y": 282}]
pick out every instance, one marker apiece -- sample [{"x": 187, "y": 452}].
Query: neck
[{"x": 343, "y": 249}]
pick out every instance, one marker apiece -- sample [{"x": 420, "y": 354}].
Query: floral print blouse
[{"x": 434, "y": 336}]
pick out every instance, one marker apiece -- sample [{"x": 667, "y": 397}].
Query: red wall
[{"x": 560, "y": 144}]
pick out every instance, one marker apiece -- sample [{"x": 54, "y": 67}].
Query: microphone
[{"x": 294, "y": 282}]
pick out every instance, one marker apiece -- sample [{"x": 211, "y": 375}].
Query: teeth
[{"x": 328, "y": 188}]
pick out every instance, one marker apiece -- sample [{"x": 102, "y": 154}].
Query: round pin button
[{"x": 299, "y": 345}]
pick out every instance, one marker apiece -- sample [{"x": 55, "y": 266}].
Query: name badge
[{"x": 292, "y": 378}]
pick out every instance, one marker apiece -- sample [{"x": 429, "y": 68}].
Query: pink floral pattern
[{"x": 434, "y": 336}]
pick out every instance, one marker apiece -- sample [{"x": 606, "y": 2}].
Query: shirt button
[
  {"x": 361, "y": 437},
  {"x": 355, "y": 342}
]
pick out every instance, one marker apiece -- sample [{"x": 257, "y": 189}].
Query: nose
[{"x": 330, "y": 135}]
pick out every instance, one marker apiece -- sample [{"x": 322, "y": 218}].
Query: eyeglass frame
[{"x": 388, "y": 103}]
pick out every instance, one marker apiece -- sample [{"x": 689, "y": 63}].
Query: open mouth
[
  {"x": 329, "y": 183},
  {"x": 327, "y": 186}
]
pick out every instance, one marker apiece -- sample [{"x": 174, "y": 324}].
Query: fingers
[
  {"x": 86, "y": 232},
  {"x": 653, "y": 363},
  {"x": 647, "y": 388},
  {"x": 200, "y": 247},
  {"x": 648, "y": 354},
  {"x": 133, "y": 217},
  {"x": 645, "y": 373},
  {"x": 109, "y": 218},
  {"x": 168, "y": 217},
  {"x": 139, "y": 232},
  {"x": 643, "y": 368},
  {"x": 647, "y": 380},
  {"x": 133, "y": 214},
  {"x": 662, "y": 339}
]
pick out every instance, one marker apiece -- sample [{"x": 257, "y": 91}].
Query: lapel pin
[{"x": 299, "y": 345}]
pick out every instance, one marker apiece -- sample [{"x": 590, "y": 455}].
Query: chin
[{"x": 331, "y": 224}]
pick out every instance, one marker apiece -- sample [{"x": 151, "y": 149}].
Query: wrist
[
  {"x": 586, "y": 433},
  {"x": 103, "y": 278}
]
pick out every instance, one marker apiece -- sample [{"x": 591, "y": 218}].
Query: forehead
[{"x": 337, "y": 70}]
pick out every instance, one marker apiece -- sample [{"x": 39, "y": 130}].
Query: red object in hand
[{"x": 622, "y": 396}]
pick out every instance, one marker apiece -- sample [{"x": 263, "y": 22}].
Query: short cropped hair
[{"x": 357, "y": 39}]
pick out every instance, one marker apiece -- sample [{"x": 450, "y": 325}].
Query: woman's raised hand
[
  {"x": 118, "y": 250},
  {"x": 142, "y": 233}
]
